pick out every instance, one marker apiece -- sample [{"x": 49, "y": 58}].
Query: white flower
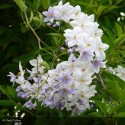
[
  {"x": 37, "y": 65},
  {"x": 101, "y": 47},
  {"x": 85, "y": 22},
  {"x": 12, "y": 77},
  {"x": 86, "y": 55},
  {"x": 95, "y": 31},
  {"x": 64, "y": 12},
  {"x": 20, "y": 76},
  {"x": 77, "y": 12},
  {"x": 49, "y": 15},
  {"x": 26, "y": 86},
  {"x": 84, "y": 79},
  {"x": 73, "y": 37},
  {"x": 97, "y": 64},
  {"x": 36, "y": 62}
]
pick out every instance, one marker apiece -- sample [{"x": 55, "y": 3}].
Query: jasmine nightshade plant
[{"x": 69, "y": 84}]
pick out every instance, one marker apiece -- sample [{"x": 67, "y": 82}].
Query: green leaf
[
  {"x": 119, "y": 107},
  {"x": 36, "y": 4},
  {"x": 115, "y": 78},
  {"x": 110, "y": 2},
  {"x": 122, "y": 95},
  {"x": 101, "y": 9},
  {"x": 106, "y": 39},
  {"x": 56, "y": 35},
  {"x": 102, "y": 106},
  {"x": 119, "y": 41},
  {"x": 10, "y": 91},
  {"x": 21, "y": 4},
  {"x": 120, "y": 114},
  {"x": 2, "y": 89},
  {"x": 6, "y": 103},
  {"x": 113, "y": 89},
  {"x": 3, "y": 111},
  {"x": 96, "y": 114},
  {"x": 46, "y": 4},
  {"x": 31, "y": 16},
  {"x": 41, "y": 18},
  {"x": 110, "y": 34},
  {"x": 24, "y": 58},
  {"x": 3, "y": 29},
  {"x": 110, "y": 8},
  {"x": 45, "y": 64},
  {"x": 5, "y": 6},
  {"x": 118, "y": 29}
]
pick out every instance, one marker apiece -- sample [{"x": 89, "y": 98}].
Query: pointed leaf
[
  {"x": 46, "y": 4},
  {"x": 118, "y": 29}
]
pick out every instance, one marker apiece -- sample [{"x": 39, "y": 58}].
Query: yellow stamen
[
  {"x": 88, "y": 44},
  {"x": 63, "y": 12},
  {"x": 82, "y": 80},
  {"x": 65, "y": 78},
  {"x": 74, "y": 37},
  {"x": 51, "y": 15}
]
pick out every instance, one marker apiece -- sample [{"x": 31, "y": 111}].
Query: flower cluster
[
  {"x": 118, "y": 71},
  {"x": 30, "y": 82},
  {"x": 71, "y": 87},
  {"x": 68, "y": 85},
  {"x": 85, "y": 35}
]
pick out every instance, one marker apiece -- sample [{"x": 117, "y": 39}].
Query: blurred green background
[{"x": 17, "y": 43}]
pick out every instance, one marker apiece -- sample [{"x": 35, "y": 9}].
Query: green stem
[
  {"x": 47, "y": 52},
  {"x": 62, "y": 54},
  {"x": 101, "y": 81},
  {"x": 39, "y": 40},
  {"x": 32, "y": 29}
]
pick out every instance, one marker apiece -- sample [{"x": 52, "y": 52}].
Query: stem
[
  {"x": 32, "y": 30},
  {"x": 39, "y": 40},
  {"x": 62, "y": 54},
  {"x": 47, "y": 52},
  {"x": 101, "y": 81}
]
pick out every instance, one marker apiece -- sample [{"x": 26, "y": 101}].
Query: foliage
[{"x": 18, "y": 42}]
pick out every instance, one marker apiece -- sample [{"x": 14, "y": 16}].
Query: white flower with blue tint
[{"x": 49, "y": 15}]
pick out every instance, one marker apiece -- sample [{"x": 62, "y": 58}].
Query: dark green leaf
[
  {"x": 46, "y": 4},
  {"x": 102, "y": 106},
  {"x": 21, "y": 4},
  {"x": 120, "y": 114},
  {"x": 56, "y": 35},
  {"x": 24, "y": 58},
  {"x": 101, "y": 9},
  {"x": 120, "y": 40},
  {"x": 37, "y": 4},
  {"x": 6, "y": 103},
  {"x": 118, "y": 29},
  {"x": 5, "y": 6}
]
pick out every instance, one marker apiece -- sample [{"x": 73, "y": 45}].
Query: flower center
[
  {"x": 76, "y": 13},
  {"x": 50, "y": 15},
  {"x": 88, "y": 44},
  {"x": 84, "y": 53},
  {"x": 74, "y": 37},
  {"x": 83, "y": 70},
  {"x": 65, "y": 78},
  {"x": 82, "y": 80},
  {"x": 64, "y": 90},
  {"x": 100, "y": 48},
  {"x": 63, "y": 12},
  {"x": 82, "y": 95},
  {"x": 82, "y": 25},
  {"x": 56, "y": 74}
]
